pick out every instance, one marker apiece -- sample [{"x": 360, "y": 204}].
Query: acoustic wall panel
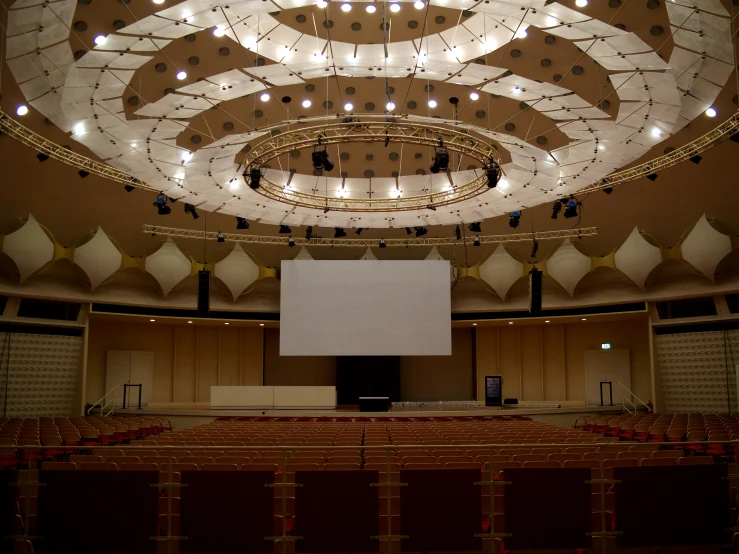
[{"x": 365, "y": 308}]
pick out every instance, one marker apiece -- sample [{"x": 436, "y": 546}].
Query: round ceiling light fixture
[
  {"x": 158, "y": 1},
  {"x": 346, "y": 7},
  {"x": 433, "y": 103},
  {"x": 321, "y": 4},
  {"x": 390, "y": 106},
  {"x": 348, "y": 106},
  {"x": 21, "y": 110},
  {"x": 181, "y": 75},
  {"x": 656, "y": 132},
  {"x": 711, "y": 112},
  {"x": 371, "y": 8},
  {"x": 306, "y": 103},
  {"x": 474, "y": 96},
  {"x": 521, "y": 33},
  {"x": 419, "y": 5},
  {"x": 581, "y": 3},
  {"x": 100, "y": 39},
  {"x": 219, "y": 32},
  {"x": 264, "y": 97},
  {"x": 395, "y": 8}
]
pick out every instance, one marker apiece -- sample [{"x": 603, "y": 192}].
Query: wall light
[{"x": 606, "y": 346}]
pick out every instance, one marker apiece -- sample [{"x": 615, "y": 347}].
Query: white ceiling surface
[{"x": 656, "y": 98}]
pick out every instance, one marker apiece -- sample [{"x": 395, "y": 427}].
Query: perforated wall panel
[
  {"x": 697, "y": 371},
  {"x": 43, "y": 373}
]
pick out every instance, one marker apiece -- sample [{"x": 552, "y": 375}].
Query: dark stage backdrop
[{"x": 367, "y": 376}]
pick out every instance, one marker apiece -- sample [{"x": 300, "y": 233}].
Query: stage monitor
[{"x": 365, "y": 308}]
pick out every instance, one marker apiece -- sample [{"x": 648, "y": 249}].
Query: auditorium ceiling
[{"x": 565, "y": 94}]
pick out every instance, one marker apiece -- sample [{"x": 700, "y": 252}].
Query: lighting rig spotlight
[
  {"x": 421, "y": 231},
  {"x": 339, "y": 232},
  {"x": 359, "y": 230},
  {"x": 491, "y": 172},
  {"x": 408, "y": 231},
  {"x": 457, "y": 232},
  {"x": 534, "y": 248},
  {"x": 571, "y": 208},
  {"x": 696, "y": 159},
  {"x": 161, "y": 204},
  {"x": 608, "y": 190},
  {"x": 309, "y": 233},
  {"x": 382, "y": 243},
  {"x": 290, "y": 242},
  {"x": 285, "y": 230},
  {"x": 255, "y": 176},
  {"x": 42, "y": 157},
  {"x": 431, "y": 207},
  {"x": 556, "y": 208},
  {"x": 242, "y": 223},
  {"x": 190, "y": 209},
  {"x": 220, "y": 237},
  {"x": 476, "y": 242},
  {"x": 475, "y": 227},
  {"x": 441, "y": 160},
  {"x": 320, "y": 160},
  {"x": 514, "y": 219},
  {"x": 82, "y": 173},
  {"x": 652, "y": 176},
  {"x": 129, "y": 188}
]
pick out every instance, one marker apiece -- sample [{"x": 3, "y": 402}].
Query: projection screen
[{"x": 365, "y": 308}]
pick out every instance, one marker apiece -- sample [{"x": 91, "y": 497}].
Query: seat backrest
[
  {"x": 82, "y": 458},
  {"x": 629, "y": 462},
  {"x": 134, "y": 466},
  {"x": 541, "y": 464},
  {"x": 657, "y": 462},
  {"x": 59, "y": 466},
  {"x": 96, "y": 466},
  {"x": 695, "y": 461},
  {"x": 219, "y": 467},
  {"x": 523, "y": 458},
  {"x": 592, "y": 464},
  {"x": 423, "y": 465}
]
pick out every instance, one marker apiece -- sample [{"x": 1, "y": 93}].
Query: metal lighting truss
[
  {"x": 373, "y": 131},
  {"x": 398, "y": 242},
  {"x": 23, "y": 134}
]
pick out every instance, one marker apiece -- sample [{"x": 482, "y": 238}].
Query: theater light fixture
[
  {"x": 129, "y": 188},
  {"x": 421, "y": 231},
  {"x": 255, "y": 175},
  {"x": 457, "y": 232},
  {"x": 408, "y": 231},
  {"x": 571, "y": 208},
  {"x": 242, "y": 223},
  {"x": 476, "y": 242},
  {"x": 382, "y": 243},
  {"x": 346, "y": 8},
  {"x": 190, "y": 209},
  {"x": 309, "y": 233},
  {"x": 475, "y": 227},
  {"x": 42, "y": 157},
  {"x": 285, "y": 230},
  {"x": 290, "y": 242},
  {"x": 652, "y": 176},
  {"x": 161, "y": 205},
  {"x": 534, "y": 248},
  {"x": 441, "y": 160},
  {"x": 608, "y": 190},
  {"x": 220, "y": 237},
  {"x": 359, "y": 230},
  {"x": 491, "y": 172},
  {"x": 556, "y": 208},
  {"x": 696, "y": 159},
  {"x": 395, "y": 8},
  {"x": 320, "y": 160},
  {"x": 82, "y": 173},
  {"x": 181, "y": 75},
  {"x": 514, "y": 219},
  {"x": 339, "y": 232},
  {"x": 431, "y": 207}
]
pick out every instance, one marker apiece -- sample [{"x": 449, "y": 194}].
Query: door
[
  {"x": 132, "y": 368},
  {"x": 607, "y": 366}
]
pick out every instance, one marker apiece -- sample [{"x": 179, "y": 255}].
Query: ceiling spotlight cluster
[
  {"x": 514, "y": 219},
  {"x": 242, "y": 223},
  {"x": 190, "y": 209},
  {"x": 161, "y": 205},
  {"x": 320, "y": 160},
  {"x": 441, "y": 160}
]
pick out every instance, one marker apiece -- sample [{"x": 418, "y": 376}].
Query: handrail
[
  {"x": 631, "y": 399},
  {"x": 103, "y": 406}
]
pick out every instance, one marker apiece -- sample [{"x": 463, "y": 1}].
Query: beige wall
[
  {"x": 547, "y": 362},
  {"x": 195, "y": 356},
  {"x": 428, "y": 378},
  {"x": 295, "y": 370}
]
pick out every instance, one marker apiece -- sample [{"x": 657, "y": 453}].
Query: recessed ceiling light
[
  {"x": 516, "y": 90},
  {"x": 433, "y": 103},
  {"x": 419, "y": 5},
  {"x": 585, "y": 319},
  {"x": 219, "y": 32},
  {"x": 306, "y": 103},
  {"x": 474, "y": 96},
  {"x": 510, "y": 323},
  {"x": 152, "y": 320},
  {"x": 226, "y": 323},
  {"x": 390, "y": 106},
  {"x": 395, "y": 8},
  {"x": 581, "y": 3},
  {"x": 711, "y": 112},
  {"x": 656, "y": 132},
  {"x": 22, "y": 109},
  {"x": 100, "y": 39},
  {"x": 601, "y": 147},
  {"x": 181, "y": 75},
  {"x": 264, "y": 97},
  {"x": 189, "y": 321},
  {"x": 371, "y": 8},
  {"x": 546, "y": 321},
  {"x": 79, "y": 129},
  {"x": 521, "y": 33},
  {"x": 158, "y": 1},
  {"x": 261, "y": 324},
  {"x": 346, "y": 7},
  {"x": 348, "y": 106},
  {"x": 321, "y": 4},
  {"x": 474, "y": 324}
]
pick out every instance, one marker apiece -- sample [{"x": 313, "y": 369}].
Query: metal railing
[
  {"x": 105, "y": 404},
  {"x": 602, "y": 481},
  {"x": 629, "y": 400}
]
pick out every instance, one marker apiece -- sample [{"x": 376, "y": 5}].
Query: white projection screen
[{"x": 365, "y": 308}]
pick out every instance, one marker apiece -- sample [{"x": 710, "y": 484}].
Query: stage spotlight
[
  {"x": 382, "y": 243},
  {"x": 82, "y": 173},
  {"x": 431, "y": 207},
  {"x": 475, "y": 228},
  {"x": 290, "y": 242},
  {"x": 608, "y": 190},
  {"x": 534, "y": 248},
  {"x": 255, "y": 175},
  {"x": 285, "y": 230},
  {"x": 42, "y": 157},
  {"x": 129, "y": 188},
  {"x": 476, "y": 242},
  {"x": 652, "y": 176},
  {"x": 408, "y": 231},
  {"x": 514, "y": 219},
  {"x": 242, "y": 223},
  {"x": 320, "y": 160},
  {"x": 161, "y": 204},
  {"x": 457, "y": 232},
  {"x": 219, "y": 237},
  {"x": 339, "y": 233},
  {"x": 327, "y": 165},
  {"x": 734, "y": 137},
  {"x": 571, "y": 208},
  {"x": 492, "y": 175},
  {"x": 696, "y": 159},
  {"x": 420, "y": 231},
  {"x": 441, "y": 161},
  {"x": 190, "y": 209},
  {"x": 308, "y": 233},
  {"x": 556, "y": 208},
  {"x": 359, "y": 230}
]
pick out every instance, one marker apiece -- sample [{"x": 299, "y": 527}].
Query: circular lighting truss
[{"x": 386, "y": 132}]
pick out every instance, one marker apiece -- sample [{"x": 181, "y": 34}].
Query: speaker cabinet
[
  {"x": 535, "y": 291},
  {"x": 203, "y": 292}
]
